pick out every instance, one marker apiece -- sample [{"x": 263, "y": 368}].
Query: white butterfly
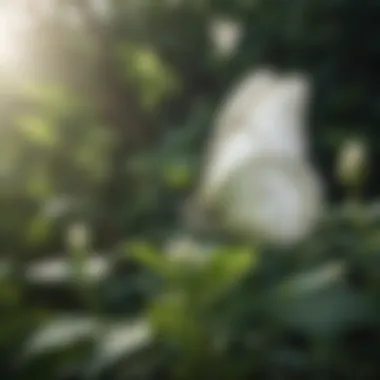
[{"x": 257, "y": 176}]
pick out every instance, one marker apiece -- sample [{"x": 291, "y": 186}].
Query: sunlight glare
[{"x": 13, "y": 25}]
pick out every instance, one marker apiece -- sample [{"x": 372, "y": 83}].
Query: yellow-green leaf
[
  {"x": 146, "y": 255},
  {"x": 37, "y": 129}
]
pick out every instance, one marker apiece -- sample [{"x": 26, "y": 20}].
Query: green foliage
[
  {"x": 230, "y": 311},
  {"x": 106, "y": 124}
]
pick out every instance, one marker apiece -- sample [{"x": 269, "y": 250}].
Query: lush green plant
[
  {"x": 106, "y": 125},
  {"x": 217, "y": 311}
]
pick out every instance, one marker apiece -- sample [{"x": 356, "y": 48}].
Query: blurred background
[{"x": 105, "y": 111}]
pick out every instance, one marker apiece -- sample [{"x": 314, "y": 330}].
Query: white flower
[
  {"x": 59, "y": 270},
  {"x": 119, "y": 340},
  {"x": 225, "y": 36},
  {"x": 257, "y": 174},
  {"x": 59, "y": 333},
  {"x": 352, "y": 162},
  {"x": 78, "y": 237}
]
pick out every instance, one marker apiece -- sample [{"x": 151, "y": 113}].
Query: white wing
[
  {"x": 277, "y": 200},
  {"x": 258, "y": 157},
  {"x": 278, "y": 123},
  {"x": 263, "y": 116},
  {"x": 232, "y": 140}
]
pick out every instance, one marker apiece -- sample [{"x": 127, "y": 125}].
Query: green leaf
[
  {"x": 229, "y": 266},
  {"x": 51, "y": 95},
  {"x": 148, "y": 257},
  {"x": 175, "y": 318},
  {"x": 60, "y": 333},
  {"x": 177, "y": 176},
  {"x": 326, "y": 313},
  {"x": 39, "y": 229},
  {"x": 313, "y": 281},
  {"x": 38, "y": 129},
  {"x": 118, "y": 341}
]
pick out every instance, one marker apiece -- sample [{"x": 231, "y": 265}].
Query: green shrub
[{"x": 222, "y": 312}]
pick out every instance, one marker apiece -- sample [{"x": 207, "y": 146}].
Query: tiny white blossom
[
  {"x": 58, "y": 270},
  {"x": 59, "y": 333},
  {"x": 121, "y": 339},
  {"x": 78, "y": 237},
  {"x": 225, "y": 36},
  {"x": 352, "y": 162}
]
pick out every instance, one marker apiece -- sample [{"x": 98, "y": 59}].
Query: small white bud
[
  {"x": 78, "y": 237},
  {"x": 352, "y": 162},
  {"x": 225, "y": 35}
]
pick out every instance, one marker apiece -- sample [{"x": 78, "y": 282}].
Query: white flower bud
[
  {"x": 352, "y": 163},
  {"x": 78, "y": 237},
  {"x": 225, "y": 35}
]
